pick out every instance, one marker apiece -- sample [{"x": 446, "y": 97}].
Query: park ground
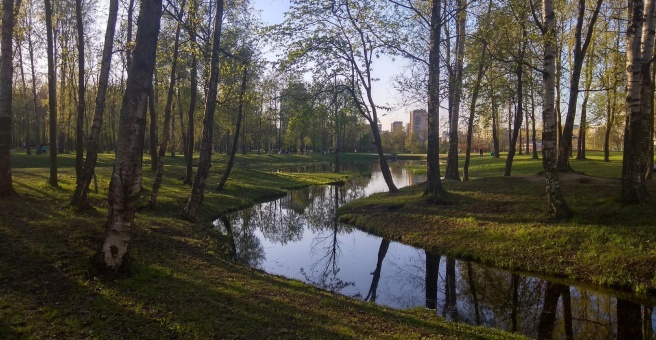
[{"x": 182, "y": 283}]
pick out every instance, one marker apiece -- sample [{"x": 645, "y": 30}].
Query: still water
[{"x": 298, "y": 237}]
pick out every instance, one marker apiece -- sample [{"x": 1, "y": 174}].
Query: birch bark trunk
[
  {"x": 125, "y": 184},
  {"x": 557, "y": 206}
]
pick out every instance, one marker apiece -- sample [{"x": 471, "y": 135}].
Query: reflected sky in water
[{"x": 298, "y": 237}]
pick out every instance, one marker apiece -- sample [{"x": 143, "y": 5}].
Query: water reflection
[
  {"x": 382, "y": 251},
  {"x": 298, "y": 236}
]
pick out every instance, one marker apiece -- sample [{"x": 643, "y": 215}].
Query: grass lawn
[
  {"x": 182, "y": 283},
  {"x": 502, "y": 221}
]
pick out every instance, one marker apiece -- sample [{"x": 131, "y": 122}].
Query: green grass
[
  {"x": 502, "y": 221},
  {"x": 524, "y": 165},
  {"x": 181, "y": 283}
]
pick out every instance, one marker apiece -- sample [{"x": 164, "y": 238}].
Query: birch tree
[
  {"x": 557, "y": 206},
  {"x": 125, "y": 184},
  {"x": 640, "y": 34}
]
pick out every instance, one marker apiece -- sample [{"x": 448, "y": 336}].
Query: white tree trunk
[
  {"x": 557, "y": 206},
  {"x": 125, "y": 185}
]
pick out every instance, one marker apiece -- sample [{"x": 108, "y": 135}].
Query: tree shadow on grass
[
  {"x": 49, "y": 294},
  {"x": 249, "y": 303}
]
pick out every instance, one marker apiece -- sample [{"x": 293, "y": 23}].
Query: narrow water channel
[{"x": 298, "y": 237}]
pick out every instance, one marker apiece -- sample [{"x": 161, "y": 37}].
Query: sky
[{"x": 272, "y": 12}]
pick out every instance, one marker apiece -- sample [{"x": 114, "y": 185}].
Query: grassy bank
[
  {"x": 182, "y": 284},
  {"x": 502, "y": 221}
]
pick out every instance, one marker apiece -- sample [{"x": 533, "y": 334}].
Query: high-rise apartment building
[
  {"x": 397, "y": 126},
  {"x": 419, "y": 126}
]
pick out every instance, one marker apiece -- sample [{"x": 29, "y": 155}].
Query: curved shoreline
[{"x": 500, "y": 221}]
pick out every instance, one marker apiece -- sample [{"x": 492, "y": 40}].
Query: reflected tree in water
[
  {"x": 647, "y": 326},
  {"x": 472, "y": 291},
  {"x": 246, "y": 246},
  {"x": 278, "y": 223},
  {"x": 451, "y": 300},
  {"x": 567, "y": 313},
  {"x": 382, "y": 251},
  {"x": 514, "y": 283},
  {"x": 299, "y": 200},
  {"x": 432, "y": 273},
  {"x": 497, "y": 298},
  {"x": 629, "y": 320},
  {"x": 552, "y": 294},
  {"x": 327, "y": 244},
  {"x": 321, "y": 215}
]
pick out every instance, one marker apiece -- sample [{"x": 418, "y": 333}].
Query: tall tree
[
  {"x": 557, "y": 206},
  {"x": 472, "y": 107},
  {"x": 81, "y": 92},
  {"x": 495, "y": 121},
  {"x": 583, "y": 124},
  {"x": 193, "y": 93},
  {"x": 6, "y": 86},
  {"x": 125, "y": 184},
  {"x": 82, "y": 189},
  {"x": 52, "y": 95},
  {"x": 198, "y": 189},
  {"x": 128, "y": 38},
  {"x": 580, "y": 49},
  {"x": 455, "y": 89},
  {"x": 30, "y": 48},
  {"x": 167, "y": 110},
  {"x": 152, "y": 134},
  {"x": 240, "y": 114},
  {"x": 517, "y": 124},
  {"x": 640, "y": 34},
  {"x": 27, "y": 125},
  {"x": 531, "y": 90},
  {"x": 340, "y": 40},
  {"x": 434, "y": 186}
]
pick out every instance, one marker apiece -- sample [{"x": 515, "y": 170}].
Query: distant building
[
  {"x": 397, "y": 126},
  {"x": 445, "y": 136},
  {"x": 380, "y": 127},
  {"x": 418, "y": 126}
]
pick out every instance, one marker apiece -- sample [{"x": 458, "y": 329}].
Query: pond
[{"x": 298, "y": 237}]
